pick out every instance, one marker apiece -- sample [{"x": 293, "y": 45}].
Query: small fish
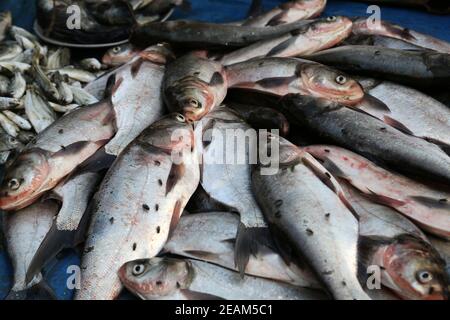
[
  {"x": 77, "y": 74},
  {"x": 120, "y": 55},
  {"x": 17, "y": 86},
  {"x": 8, "y": 142},
  {"x": 91, "y": 64},
  {"x": 5, "y": 24},
  {"x": 64, "y": 89},
  {"x": 21, "y": 122},
  {"x": 11, "y": 66},
  {"x": 58, "y": 59},
  {"x": 81, "y": 97},
  {"x": 63, "y": 109},
  {"x": 4, "y": 85},
  {"x": 15, "y": 30},
  {"x": 38, "y": 111},
  {"x": 183, "y": 279},
  {"x": 8, "y": 103},
  {"x": 9, "y": 126},
  {"x": 48, "y": 87},
  {"x": 9, "y": 50}
]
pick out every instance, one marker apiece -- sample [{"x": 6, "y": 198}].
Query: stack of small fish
[{"x": 358, "y": 204}]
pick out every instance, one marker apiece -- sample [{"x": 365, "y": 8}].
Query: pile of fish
[{"x": 349, "y": 199}]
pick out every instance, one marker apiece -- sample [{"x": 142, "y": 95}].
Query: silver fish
[
  {"x": 128, "y": 221},
  {"x": 63, "y": 109},
  {"x": 21, "y": 122},
  {"x": 8, "y": 142},
  {"x": 81, "y": 97},
  {"x": 196, "y": 280},
  {"x": 8, "y": 103},
  {"x": 91, "y": 64},
  {"x": 77, "y": 74},
  {"x": 9, "y": 50},
  {"x": 38, "y": 111},
  {"x": 4, "y": 85},
  {"x": 48, "y": 87},
  {"x": 17, "y": 86},
  {"x": 9, "y": 126},
  {"x": 58, "y": 59}
]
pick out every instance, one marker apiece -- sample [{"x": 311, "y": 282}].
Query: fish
[
  {"x": 9, "y": 126},
  {"x": 318, "y": 35},
  {"x": 421, "y": 69},
  {"x": 380, "y": 41},
  {"x": 8, "y": 103},
  {"x": 201, "y": 201},
  {"x": 405, "y": 107},
  {"x": 5, "y": 24},
  {"x": 24, "y": 231},
  {"x": 9, "y": 50},
  {"x": 64, "y": 89},
  {"x": 194, "y": 85},
  {"x": 184, "y": 279},
  {"x": 58, "y": 59},
  {"x": 427, "y": 205},
  {"x": 204, "y": 34},
  {"x": 262, "y": 117},
  {"x": 8, "y": 142},
  {"x": 91, "y": 64},
  {"x": 226, "y": 169},
  {"x": 16, "y": 30},
  {"x": 17, "y": 86},
  {"x": 20, "y": 121},
  {"x": 288, "y": 12},
  {"x": 188, "y": 240},
  {"x": 76, "y": 74},
  {"x": 4, "y": 85},
  {"x": 443, "y": 247},
  {"x": 311, "y": 218},
  {"x": 136, "y": 96},
  {"x": 63, "y": 109},
  {"x": 81, "y": 97},
  {"x": 38, "y": 111},
  {"x": 44, "y": 82},
  {"x": 9, "y": 67},
  {"x": 111, "y": 13},
  {"x": 362, "y": 26},
  {"x": 55, "y": 153},
  {"x": 368, "y": 136},
  {"x": 120, "y": 55},
  {"x": 138, "y": 204},
  {"x": 280, "y": 76}
]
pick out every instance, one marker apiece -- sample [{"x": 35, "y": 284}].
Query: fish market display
[{"x": 284, "y": 155}]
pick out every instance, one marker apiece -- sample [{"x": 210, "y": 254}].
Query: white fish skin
[
  {"x": 314, "y": 219},
  {"x": 13, "y": 66},
  {"x": 18, "y": 120},
  {"x": 17, "y": 86},
  {"x": 81, "y": 96},
  {"x": 38, "y": 111},
  {"x": 9, "y": 126},
  {"x": 24, "y": 230},
  {"x": 138, "y": 204},
  {"x": 61, "y": 108},
  {"x": 210, "y": 237},
  {"x": 76, "y": 74},
  {"x": 197, "y": 280},
  {"x": 8, "y": 103}
]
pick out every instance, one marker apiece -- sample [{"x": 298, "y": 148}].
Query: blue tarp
[{"x": 214, "y": 11}]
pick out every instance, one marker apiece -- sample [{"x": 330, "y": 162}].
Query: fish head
[
  {"x": 330, "y": 27},
  {"x": 157, "y": 277},
  {"x": 119, "y": 55},
  {"x": 23, "y": 178},
  {"x": 160, "y": 53},
  {"x": 324, "y": 82},
  {"x": 416, "y": 270}
]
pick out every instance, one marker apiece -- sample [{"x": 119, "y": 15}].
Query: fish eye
[
  {"x": 331, "y": 18},
  {"x": 12, "y": 140},
  {"x": 341, "y": 79},
  {"x": 116, "y": 49},
  {"x": 13, "y": 184},
  {"x": 424, "y": 276},
  {"x": 180, "y": 118},
  {"x": 138, "y": 269}
]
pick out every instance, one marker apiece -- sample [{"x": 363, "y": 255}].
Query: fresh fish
[
  {"x": 9, "y": 67},
  {"x": 136, "y": 96},
  {"x": 81, "y": 97},
  {"x": 63, "y": 109},
  {"x": 201, "y": 201},
  {"x": 188, "y": 240},
  {"x": 120, "y": 55},
  {"x": 318, "y": 35},
  {"x": 24, "y": 231},
  {"x": 58, "y": 59},
  {"x": 15, "y": 30},
  {"x": 380, "y": 41},
  {"x": 226, "y": 169},
  {"x": 91, "y": 64},
  {"x": 25, "y": 137},
  {"x": 77, "y": 74},
  {"x": 204, "y": 34},
  {"x": 262, "y": 117},
  {"x": 64, "y": 89},
  {"x": 17, "y": 86},
  {"x": 38, "y": 111},
  {"x": 4, "y": 85},
  {"x": 138, "y": 204},
  {"x": 409, "y": 111},
  {"x": 8, "y": 142},
  {"x": 9, "y": 126},
  {"x": 280, "y": 76},
  {"x": 8, "y": 103},
  {"x": 9, "y": 50},
  {"x": 194, "y": 85},
  {"x": 313, "y": 217},
  {"x": 5, "y": 24},
  {"x": 384, "y": 28},
  {"x": 25, "y": 57},
  {"x": 288, "y": 12},
  {"x": 56, "y": 152},
  {"x": 368, "y": 136},
  {"x": 21, "y": 122},
  {"x": 178, "y": 279},
  {"x": 414, "y": 68},
  {"x": 427, "y": 205},
  {"x": 48, "y": 87}
]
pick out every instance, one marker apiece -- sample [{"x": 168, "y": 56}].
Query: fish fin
[
  {"x": 371, "y": 102},
  {"x": 71, "y": 149},
  {"x": 135, "y": 67},
  {"x": 276, "y": 20},
  {"x": 177, "y": 171},
  {"x": 202, "y": 255},
  {"x": 334, "y": 169},
  {"x": 99, "y": 161},
  {"x": 367, "y": 247},
  {"x": 403, "y": 33},
  {"x": 248, "y": 241},
  {"x": 17, "y": 295},
  {"x": 397, "y": 125},
  {"x": 110, "y": 85},
  {"x": 384, "y": 199},
  {"x": 177, "y": 212},
  {"x": 278, "y": 49},
  {"x": 282, "y": 244},
  {"x": 254, "y": 9},
  {"x": 195, "y": 295},
  {"x": 433, "y": 203}
]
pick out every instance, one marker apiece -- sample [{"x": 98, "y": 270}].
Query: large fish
[
  {"x": 189, "y": 240},
  {"x": 364, "y": 26},
  {"x": 24, "y": 231},
  {"x": 226, "y": 163},
  {"x": 409, "y": 110},
  {"x": 55, "y": 153},
  {"x": 120, "y": 55},
  {"x": 410, "y": 67},
  {"x": 288, "y": 12},
  {"x": 194, "y": 85},
  {"x": 318, "y": 35},
  {"x": 138, "y": 204},
  {"x": 136, "y": 96},
  {"x": 178, "y": 279},
  {"x": 308, "y": 214},
  {"x": 368, "y": 136},
  {"x": 280, "y": 76},
  {"x": 425, "y": 204}
]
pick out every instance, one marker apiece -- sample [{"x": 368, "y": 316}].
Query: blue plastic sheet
[{"x": 215, "y": 11}]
